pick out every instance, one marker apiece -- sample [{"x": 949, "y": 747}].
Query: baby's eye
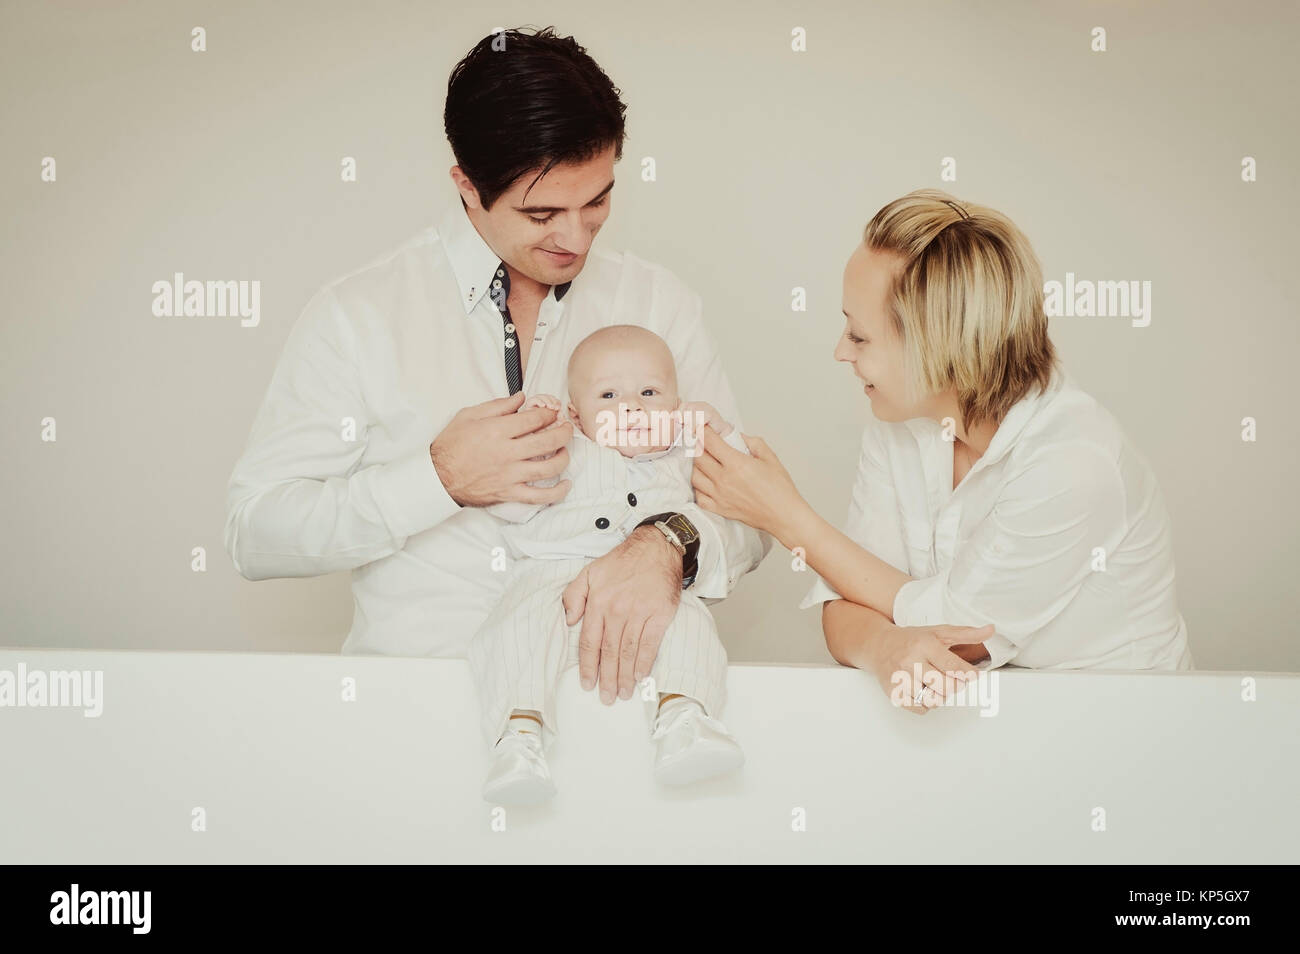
[
  {"x": 607, "y": 396},
  {"x": 648, "y": 392}
]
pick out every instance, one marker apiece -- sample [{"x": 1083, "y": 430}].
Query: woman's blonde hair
[{"x": 968, "y": 302}]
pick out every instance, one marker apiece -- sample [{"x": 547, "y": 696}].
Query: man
[{"x": 390, "y": 420}]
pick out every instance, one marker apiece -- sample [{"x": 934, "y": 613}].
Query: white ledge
[{"x": 1184, "y": 769}]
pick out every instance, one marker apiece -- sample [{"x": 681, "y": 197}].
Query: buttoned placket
[
  {"x": 500, "y": 295},
  {"x": 548, "y": 315}
]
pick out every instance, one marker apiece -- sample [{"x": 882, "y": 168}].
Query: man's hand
[
  {"x": 486, "y": 453},
  {"x": 626, "y": 599}
]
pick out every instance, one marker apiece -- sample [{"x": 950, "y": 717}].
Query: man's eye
[{"x": 593, "y": 205}]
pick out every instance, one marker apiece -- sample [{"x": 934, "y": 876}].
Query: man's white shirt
[
  {"x": 1058, "y": 536},
  {"x": 337, "y": 474}
]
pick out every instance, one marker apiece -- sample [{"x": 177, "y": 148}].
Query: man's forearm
[
  {"x": 306, "y": 527},
  {"x": 849, "y": 629}
]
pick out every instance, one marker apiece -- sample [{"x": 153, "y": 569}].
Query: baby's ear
[{"x": 572, "y": 412}]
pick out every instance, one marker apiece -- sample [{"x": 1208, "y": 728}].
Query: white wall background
[{"x": 225, "y": 165}]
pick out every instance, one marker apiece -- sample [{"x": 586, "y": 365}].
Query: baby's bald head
[{"x": 622, "y": 364}]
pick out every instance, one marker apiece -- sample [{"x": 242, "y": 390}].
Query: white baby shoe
[
  {"x": 518, "y": 774},
  {"x": 690, "y": 745}
]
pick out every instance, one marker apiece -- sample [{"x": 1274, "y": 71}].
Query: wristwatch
[{"x": 681, "y": 533}]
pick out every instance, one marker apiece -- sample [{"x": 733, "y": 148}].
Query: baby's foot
[
  {"x": 690, "y": 745},
  {"x": 518, "y": 774}
]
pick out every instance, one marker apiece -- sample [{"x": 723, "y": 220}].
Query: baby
[{"x": 631, "y": 457}]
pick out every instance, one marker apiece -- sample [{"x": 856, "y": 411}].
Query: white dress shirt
[
  {"x": 337, "y": 473},
  {"x": 1057, "y": 535}
]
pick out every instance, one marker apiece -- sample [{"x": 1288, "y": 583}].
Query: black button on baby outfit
[
  {"x": 631, "y": 498},
  {"x": 601, "y": 523}
]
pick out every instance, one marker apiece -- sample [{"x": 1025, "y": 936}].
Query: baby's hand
[
  {"x": 700, "y": 413},
  {"x": 542, "y": 400},
  {"x": 546, "y": 401}
]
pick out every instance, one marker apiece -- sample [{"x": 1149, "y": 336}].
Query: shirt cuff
[
  {"x": 1001, "y": 651},
  {"x": 412, "y": 495},
  {"x": 819, "y": 594},
  {"x": 920, "y": 603}
]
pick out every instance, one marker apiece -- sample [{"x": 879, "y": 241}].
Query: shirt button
[
  {"x": 510, "y": 328},
  {"x": 510, "y": 342},
  {"x": 500, "y": 274},
  {"x": 631, "y": 498},
  {"x": 496, "y": 283},
  {"x": 601, "y": 523}
]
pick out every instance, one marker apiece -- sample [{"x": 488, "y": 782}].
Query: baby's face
[{"x": 621, "y": 396}]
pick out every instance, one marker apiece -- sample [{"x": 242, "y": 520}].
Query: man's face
[{"x": 546, "y": 233}]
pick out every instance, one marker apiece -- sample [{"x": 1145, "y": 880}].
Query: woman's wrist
[{"x": 794, "y": 524}]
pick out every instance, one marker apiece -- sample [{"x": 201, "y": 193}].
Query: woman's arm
[
  {"x": 849, "y": 629},
  {"x": 757, "y": 490},
  {"x": 853, "y": 631},
  {"x": 853, "y": 572},
  {"x": 860, "y": 637}
]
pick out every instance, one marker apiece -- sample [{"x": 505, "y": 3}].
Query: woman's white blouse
[{"x": 1058, "y": 536}]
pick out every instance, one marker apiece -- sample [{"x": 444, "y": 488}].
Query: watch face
[{"x": 684, "y": 529}]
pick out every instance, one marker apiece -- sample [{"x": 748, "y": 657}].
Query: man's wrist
[
  {"x": 682, "y": 537},
  {"x": 654, "y": 537}
]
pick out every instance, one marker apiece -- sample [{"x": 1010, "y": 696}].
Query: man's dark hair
[{"x": 539, "y": 102}]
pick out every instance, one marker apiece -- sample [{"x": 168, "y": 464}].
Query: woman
[{"x": 999, "y": 513}]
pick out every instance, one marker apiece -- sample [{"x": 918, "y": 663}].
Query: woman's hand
[
  {"x": 894, "y": 656},
  {"x": 755, "y": 490}
]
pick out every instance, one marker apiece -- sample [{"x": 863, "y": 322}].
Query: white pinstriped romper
[{"x": 524, "y": 645}]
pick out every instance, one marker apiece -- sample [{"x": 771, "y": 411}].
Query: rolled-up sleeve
[
  {"x": 298, "y": 502},
  {"x": 728, "y": 548},
  {"x": 1027, "y": 560},
  {"x": 873, "y": 520}
]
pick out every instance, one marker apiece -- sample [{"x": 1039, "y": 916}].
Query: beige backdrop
[{"x": 1119, "y": 165}]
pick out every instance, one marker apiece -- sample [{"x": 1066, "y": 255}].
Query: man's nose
[{"x": 573, "y": 235}]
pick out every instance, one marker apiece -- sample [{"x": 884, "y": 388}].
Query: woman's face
[{"x": 869, "y": 341}]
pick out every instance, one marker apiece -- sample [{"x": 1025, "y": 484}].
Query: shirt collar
[
  {"x": 472, "y": 260},
  {"x": 1013, "y": 424},
  {"x": 649, "y": 455}
]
